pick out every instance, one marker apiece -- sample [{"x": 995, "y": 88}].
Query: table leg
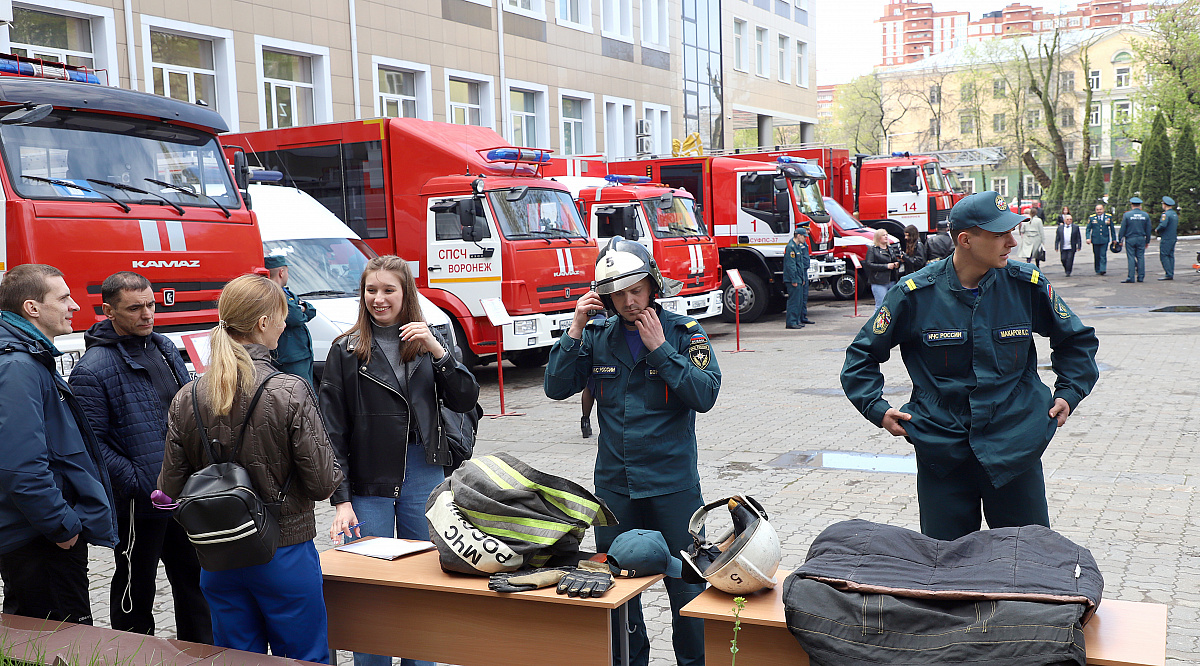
[{"x": 623, "y": 614}]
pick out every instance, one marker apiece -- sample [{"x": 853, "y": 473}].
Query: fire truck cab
[{"x": 895, "y": 191}]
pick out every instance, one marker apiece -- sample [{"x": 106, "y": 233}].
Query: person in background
[
  {"x": 294, "y": 353},
  {"x": 279, "y": 605},
  {"x": 379, "y": 396},
  {"x": 1067, "y": 240},
  {"x": 1167, "y": 227},
  {"x": 913, "y": 255},
  {"x": 883, "y": 263},
  {"x": 1099, "y": 234},
  {"x": 125, "y": 383},
  {"x": 939, "y": 245},
  {"x": 1135, "y": 232},
  {"x": 795, "y": 277},
  {"x": 55, "y": 496},
  {"x": 1032, "y": 236}
]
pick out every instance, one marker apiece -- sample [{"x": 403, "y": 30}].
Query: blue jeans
[
  {"x": 280, "y": 604},
  {"x": 879, "y": 291},
  {"x": 402, "y": 517}
]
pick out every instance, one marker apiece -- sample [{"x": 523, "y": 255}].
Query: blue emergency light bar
[
  {"x": 627, "y": 180},
  {"x": 524, "y": 155},
  {"x": 788, "y": 159},
  {"x": 16, "y": 65},
  {"x": 265, "y": 176},
  {"x": 899, "y": 154}
]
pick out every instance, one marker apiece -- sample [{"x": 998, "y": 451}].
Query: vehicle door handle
[{"x": 434, "y": 268}]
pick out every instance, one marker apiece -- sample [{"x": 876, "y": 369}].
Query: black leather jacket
[
  {"x": 877, "y": 264},
  {"x": 367, "y": 414}
]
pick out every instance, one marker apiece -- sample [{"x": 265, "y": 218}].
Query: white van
[{"x": 325, "y": 260}]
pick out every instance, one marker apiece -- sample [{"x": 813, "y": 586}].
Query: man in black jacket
[{"x": 125, "y": 382}]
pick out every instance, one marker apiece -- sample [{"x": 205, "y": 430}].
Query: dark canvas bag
[{"x": 224, "y": 518}]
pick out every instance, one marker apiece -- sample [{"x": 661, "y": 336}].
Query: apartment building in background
[{"x": 574, "y": 76}]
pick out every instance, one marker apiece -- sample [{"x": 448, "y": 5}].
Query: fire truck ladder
[{"x": 957, "y": 159}]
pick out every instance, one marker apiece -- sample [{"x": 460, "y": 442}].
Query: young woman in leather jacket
[{"x": 379, "y": 396}]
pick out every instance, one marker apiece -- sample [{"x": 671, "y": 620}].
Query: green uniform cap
[
  {"x": 1169, "y": 201},
  {"x": 985, "y": 210},
  {"x": 1135, "y": 200}
]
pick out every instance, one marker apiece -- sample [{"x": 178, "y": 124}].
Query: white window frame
[
  {"x": 104, "y": 32},
  {"x": 589, "y": 120},
  {"x": 656, "y": 25},
  {"x": 1094, "y": 79},
  {"x": 485, "y": 3},
  {"x": 762, "y": 61},
  {"x": 585, "y": 13},
  {"x": 487, "y": 95},
  {"x": 536, "y": 11},
  {"x": 541, "y": 118},
  {"x": 1002, "y": 182},
  {"x": 659, "y": 116},
  {"x": 1095, "y": 114},
  {"x": 224, "y": 62},
  {"x": 1122, "y": 74},
  {"x": 627, "y": 142},
  {"x": 783, "y": 56},
  {"x": 1122, "y": 116},
  {"x": 622, "y": 21},
  {"x": 968, "y": 185},
  {"x": 322, "y": 84},
  {"x": 741, "y": 46},
  {"x": 1032, "y": 187},
  {"x": 423, "y": 83},
  {"x": 802, "y": 63}
]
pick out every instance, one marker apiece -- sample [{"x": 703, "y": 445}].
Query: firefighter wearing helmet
[{"x": 652, "y": 371}]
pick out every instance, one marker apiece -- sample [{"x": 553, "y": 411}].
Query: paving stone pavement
[{"x": 1122, "y": 475}]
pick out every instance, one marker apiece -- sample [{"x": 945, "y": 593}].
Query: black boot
[{"x": 585, "y": 427}]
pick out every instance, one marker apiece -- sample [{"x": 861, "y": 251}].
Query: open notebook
[{"x": 386, "y": 548}]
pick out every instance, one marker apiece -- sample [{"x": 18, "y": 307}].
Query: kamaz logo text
[
  {"x": 566, "y": 263},
  {"x": 166, "y": 264}
]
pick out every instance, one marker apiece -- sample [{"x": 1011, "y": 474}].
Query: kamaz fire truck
[
  {"x": 900, "y": 189},
  {"x": 471, "y": 214},
  {"x": 99, "y": 179}
]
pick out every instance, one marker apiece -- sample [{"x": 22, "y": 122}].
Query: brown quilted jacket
[{"x": 285, "y": 435}]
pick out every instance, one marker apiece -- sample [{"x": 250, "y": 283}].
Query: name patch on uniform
[
  {"x": 1013, "y": 333},
  {"x": 882, "y": 320},
  {"x": 944, "y": 337},
  {"x": 604, "y": 370},
  {"x": 652, "y": 373}
]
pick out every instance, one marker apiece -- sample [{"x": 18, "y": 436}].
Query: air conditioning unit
[
  {"x": 643, "y": 127},
  {"x": 645, "y": 145}
]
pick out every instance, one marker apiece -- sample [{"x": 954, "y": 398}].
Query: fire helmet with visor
[{"x": 624, "y": 263}]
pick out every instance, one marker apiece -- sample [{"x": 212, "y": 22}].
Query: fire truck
[
  {"x": 752, "y": 208},
  {"x": 894, "y": 191},
  {"x": 664, "y": 221},
  {"x": 471, "y": 214},
  {"x": 99, "y": 179}
]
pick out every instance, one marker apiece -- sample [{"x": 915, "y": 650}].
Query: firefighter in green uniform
[
  {"x": 652, "y": 370},
  {"x": 1099, "y": 233},
  {"x": 1135, "y": 232},
  {"x": 1167, "y": 227},
  {"x": 795, "y": 277},
  {"x": 979, "y": 417},
  {"x": 294, "y": 355}
]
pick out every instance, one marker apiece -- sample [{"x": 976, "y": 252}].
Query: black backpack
[{"x": 224, "y": 518}]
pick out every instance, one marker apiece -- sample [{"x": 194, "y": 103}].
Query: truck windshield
[
  {"x": 808, "y": 196},
  {"x": 537, "y": 213},
  {"x": 933, "y": 178},
  {"x": 74, "y": 147},
  {"x": 677, "y": 221},
  {"x": 953, "y": 181},
  {"x": 321, "y": 267}
]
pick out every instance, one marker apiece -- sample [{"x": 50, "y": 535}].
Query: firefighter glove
[
  {"x": 591, "y": 579},
  {"x": 529, "y": 579}
]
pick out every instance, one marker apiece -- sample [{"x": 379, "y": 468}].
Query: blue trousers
[
  {"x": 797, "y": 304},
  {"x": 668, "y": 514},
  {"x": 1135, "y": 254},
  {"x": 280, "y": 604},
  {"x": 879, "y": 291},
  {"x": 950, "y": 505},
  {"x": 1166, "y": 254},
  {"x": 1100, "y": 257},
  {"x": 401, "y": 517}
]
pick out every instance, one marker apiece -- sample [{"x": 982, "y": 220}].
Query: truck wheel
[
  {"x": 754, "y": 298},
  {"x": 842, "y": 286},
  {"x": 530, "y": 358},
  {"x": 469, "y": 358}
]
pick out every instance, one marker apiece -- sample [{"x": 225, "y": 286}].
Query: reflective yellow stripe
[
  {"x": 556, "y": 497},
  {"x": 494, "y": 278},
  {"x": 494, "y": 477},
  {"x": 911, "y": 285},
  {"x": 1034, "y": 278}
]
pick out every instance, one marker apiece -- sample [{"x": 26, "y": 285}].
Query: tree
[
  {"x": 1093, "y": 189},
  {"x": 1133, "y": 187},
  {"x": 1156, "y": 163},
  {"x": 1115, "y": 186},
  {"x": 1075, "y": 202},
  {"x": 1172, "y": 57},
  {"x": 864, "y": 114},
  {"x": 1185, "y": 181},
  {"x": 1043, "y": 68}
]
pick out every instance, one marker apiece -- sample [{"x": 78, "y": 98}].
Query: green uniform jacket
[
  {"x": 295, "y": 344},
  {"x": 1135, "y": 223},
  {"x": 647, "y": 409},
  {"x": 1100, "y": 229},
  {"x": 1168, "y": 226},
  {"x": 973, "y": 365},
  {"x": 795, "y": 262}
]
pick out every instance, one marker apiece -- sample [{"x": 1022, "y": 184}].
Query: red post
[
  {"x": 737, "y": 316},
  {"x": 500, "y": 364},
  {"x": 855, "y": 292}
]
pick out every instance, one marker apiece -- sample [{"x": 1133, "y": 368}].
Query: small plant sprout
[{"x": 738, "y": 604}]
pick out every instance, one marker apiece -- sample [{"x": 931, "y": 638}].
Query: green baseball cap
[{"x": 986, "y": 210}]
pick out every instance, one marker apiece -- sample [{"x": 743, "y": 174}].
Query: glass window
[
  {"x": 967, "y": 92},
  {"x": 966, "y": 123},
  {"x": 397, "y": 93},
  {"x": 1000, "y": 186},
  {"x": 322, "y": 267},
  {"x": 785, "y": 59},
  {"x": 801, "y": 63},
  {"x": 1094, "y": 79},
  {"x": 677, "y": 221},
  {"x": 573, "y": 126},
  {"x": 762, "y": 201},
  {"x": 536, "y": 213},
  {"x": 1032, "y": 188},
  {"x": 933, "y": 177},
  {"x": 523, "y": 107},
  {"x": 1069, "y": 146},
  {"x": 654, "y": 22},
  {"x": 617, "y": 18},
  {"x": 999, "y": 88},
  {"x": 935, "y": 94},
  {"x": 1122, "y": 77},
  {"x": 739, "y": 45},
  {"x": 1122, "y": 112},
  {"x": 1033, "y": 118},
  {"x": 761, "y": 66},
  {"x": 1066, "y": 81},
  {"x": 182, "y": 68},
  {"x": 1066, "y": 118},
  {"x": 51, "y": 37},
  {"x": 998, "y": 122},
  {"x": 1094, "y": 115},
  {"x": 287, "y": 89},
  {"x": 464, "y": 103},
  {"x": 575, "y": 11},
  {"x": 808, "y": 197},
  {"x": 521, "y": 4}
]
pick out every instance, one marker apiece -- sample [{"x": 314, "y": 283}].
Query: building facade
[{"x": 620, "y": 77}]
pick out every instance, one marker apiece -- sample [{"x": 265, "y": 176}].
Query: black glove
[
  {"x": 591, "y": 579},
  {"x": 529, "y": 579}
]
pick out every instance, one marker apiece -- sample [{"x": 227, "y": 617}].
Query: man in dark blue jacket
[
  {"x": 294, "y": 354},
  {"x": 125, "y": 382},
  {"x": 1135, "y": 233},
  {"x": 55, "y": 496}
]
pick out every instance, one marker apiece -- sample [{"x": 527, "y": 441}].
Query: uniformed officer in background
[
  {"x": 1168, "y": 226},
  {"x": 294, "y": 355},
  {"x": 979, "y": 417},
  {"x": 795, "y": 275},
  {"x": 1135, "y": 232},
  {"x": 1099, "y": 233},
  {"x": 652, "y": 370}
]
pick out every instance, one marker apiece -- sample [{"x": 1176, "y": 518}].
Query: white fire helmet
[
  {"x": 743, "y": 559},
  {"x": 624, "y": 263}
]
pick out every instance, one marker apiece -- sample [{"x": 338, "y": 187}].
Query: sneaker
[{"x": 585, "y": 427}]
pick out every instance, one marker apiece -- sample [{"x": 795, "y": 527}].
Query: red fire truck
[
  {"x": 894, "y": 191},
  {"x": 99, "y": 179},
  {"x": 662, "y": 219},
  {"x": 471, "y": 214}
]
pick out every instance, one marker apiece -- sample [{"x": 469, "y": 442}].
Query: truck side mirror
[
  {"x": 27, "y": 114},
  {"x": 666, "y": 201},
  {"x": 629, "y": 222},
  {"x": 781, "y": 182},
  {"x": 241, "y": 172},
  {"x": 468, "y": 211}
]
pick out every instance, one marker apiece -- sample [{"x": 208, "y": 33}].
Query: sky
[{"x": 848, "y": 37}]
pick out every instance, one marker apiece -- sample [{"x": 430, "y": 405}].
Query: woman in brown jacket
[{"x": 280, "y": 603}]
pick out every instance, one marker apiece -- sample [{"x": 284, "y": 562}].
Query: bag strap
[{"x": 208, "y": 448}]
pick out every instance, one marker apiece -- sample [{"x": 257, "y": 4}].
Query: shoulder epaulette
[
  {"x": 915, "y": 282},
  {"x": 1026, "y": 272}
]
